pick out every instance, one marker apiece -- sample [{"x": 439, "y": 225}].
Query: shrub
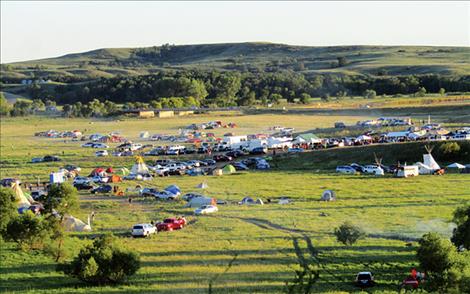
[
  {"x": 461, "y": 234},
  {"x": 348, "y": 233},
  {"x": 370, "y": 94},
  {"x": 447, "y": 270},
  {"x": 28, "y": 230},
  {"x": 7, "y": 208},
  {"x": 103, "y": 262}
]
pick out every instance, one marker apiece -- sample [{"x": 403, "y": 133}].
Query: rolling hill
[{"x": 264, "y": 57}]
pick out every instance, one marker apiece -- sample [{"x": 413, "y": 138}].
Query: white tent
[
  {"x": 73, "y": 224},
  {"x": 429, "y": 161},
  {"x": 456, "y": 165},
  {"x": 139, "y": 167},
  {"x": 21, "y": 199},
  {"x": 202, "y": 185}
]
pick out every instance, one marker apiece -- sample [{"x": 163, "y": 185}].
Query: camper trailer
[
  {"x": 407, "y": 171},
  {"x": 235, "y": 142}
]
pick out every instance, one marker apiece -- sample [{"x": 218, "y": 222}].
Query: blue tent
[{"x": 173, "y": 189}]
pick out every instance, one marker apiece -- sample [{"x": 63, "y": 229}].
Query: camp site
[{"x": 245, "y": 147}]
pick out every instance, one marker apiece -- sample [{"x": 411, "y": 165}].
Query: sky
[{"x": 34, "y": 30}]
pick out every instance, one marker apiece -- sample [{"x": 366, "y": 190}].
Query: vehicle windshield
[
  {"x": 138, "y": 227},
  {"x": 169, "y": 221},
  {"x": 363, "y": 277}
]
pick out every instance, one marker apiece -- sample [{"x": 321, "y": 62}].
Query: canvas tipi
[
  {"x": 429, "y": 160},
  {"x": 73, "y": 224},
  {"x": 139, "y": 167},
  {"x": 21, "y": 199}
]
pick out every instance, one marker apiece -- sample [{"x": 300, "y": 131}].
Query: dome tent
[
  {"x": 229, "y": 169},
  {"x": 202, "y": 185}
]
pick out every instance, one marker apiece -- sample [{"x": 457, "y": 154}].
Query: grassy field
[{"x": 258, "y": 239}]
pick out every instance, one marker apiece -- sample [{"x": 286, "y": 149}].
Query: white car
[
  {"x": 345, "y": 169},
  {"x": 206, "y": 209},
  {"x": 143, "y": 230},
  {"x": 165, "y": 195},
  {"x": 100, "y": 145},
  {"x": 89, "y": 144},
  {"x": 101, "y": 153},
  {"x": 98, "y": 179},
  {"x": 374, "y": 169},
  {"x": 81, "y": 180}
]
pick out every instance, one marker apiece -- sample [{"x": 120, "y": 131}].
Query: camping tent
[
  {"x": 328, "y": 195},
  {"x": 200, "y": 201},
  {"x": 114, "y": 179},
  {"x": 73, "y": 224},
  {"x": 429, "y": 161},
  {"x": 202, "y": 185},
  {"x": 144, "y": 134},
  {"x": 228, "y": 169},
  {"x": 455, "y": 167},
  {"x": 139, "y": 167},
  {"x": 308, "y": 138},
  {"x": 99, "y": 171},
  {"x": 21, "y": 199},
  {"x": 123, "y": 171},
  {"x": 217, "y": 172},
  {"x": 173, "y": 189}
]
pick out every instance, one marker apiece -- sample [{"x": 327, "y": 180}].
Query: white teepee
[
  {"x": 429, "y": 161},
  {"x": 139, "y": 167}
]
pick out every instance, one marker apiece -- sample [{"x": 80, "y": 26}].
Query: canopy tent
[
  {"x": 228, "y": 169},
  {"x": 139, "y": 167},
  {"x": 202, "y": 185},
  {"x": 73, "y": 224},
  {"x": 456, "y": 165},
  {"x": 308, "y": 138},
  {"x": 364, "y": 138},
  {"x": 21, "y": 199}
]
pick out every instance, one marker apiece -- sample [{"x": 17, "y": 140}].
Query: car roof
[{"x": 364, "y": 273}]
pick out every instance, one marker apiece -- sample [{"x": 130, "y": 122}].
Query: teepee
[
  {"x": 429, "y": 160},
  {"x": 139, "y": 167},
  {"x": 73, "y": 224},
  {"x": 21, "y": 199}
]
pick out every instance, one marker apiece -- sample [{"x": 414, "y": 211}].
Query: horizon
[{"x": 192, "y": 23}]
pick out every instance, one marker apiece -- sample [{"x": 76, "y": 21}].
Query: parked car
[
  {"x": 100, "y": 145},
  {"x": 37, "y": 160},
  {"x": 374, "y": 169},
  {"x": 81, "y": 180},
  {"x": 222, "y": 158},
  {"x": 364, "y": 279},
  {"x": 210, "y": 162},
  {"x": 84, "y": 186},
  {"x": 50, "y": 158},
  {"x": 239, "y": 166},
  {"x": 101, "y": 153},
  {"x": 143, "y": 230},
  {"x": 345, "y": 169},
  {"x": 7, "y": 182},
  {"x": 88, "y": 144},
  {"x": 357, "y": 167},
  {"x": 235, "y": 153},
  {"x": 171, "y": 224},
  {"x": 102, "y": 189},
  {"x": 145, "y": 192},
  {"x": 259, "y": 150},
  {"x": 205, "y": 209},
  {"x": 38, "y": 194},
  {"x": 72, "y": 168},
  {"x": 295, "y": 150},
  {"x": 189, "y": 196},
  {"x": 165, "y": 195}
]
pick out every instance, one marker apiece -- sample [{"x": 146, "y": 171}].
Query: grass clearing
[{"x": 392, "y": 211}]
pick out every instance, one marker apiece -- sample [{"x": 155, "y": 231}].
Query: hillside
[{"x": 264, "y": 57}]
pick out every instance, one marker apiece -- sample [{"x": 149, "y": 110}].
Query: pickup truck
[{"x": 171, "y": 224}]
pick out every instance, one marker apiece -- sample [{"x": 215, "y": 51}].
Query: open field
[{"x": 259, "y": 239}]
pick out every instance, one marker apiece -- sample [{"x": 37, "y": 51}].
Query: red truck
[{"x": 171, "y": 224}]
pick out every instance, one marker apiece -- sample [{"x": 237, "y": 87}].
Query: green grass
[{"x": 392, "y": 211}]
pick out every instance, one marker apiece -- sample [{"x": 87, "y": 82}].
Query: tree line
[{"x": 231, "y": 88}]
